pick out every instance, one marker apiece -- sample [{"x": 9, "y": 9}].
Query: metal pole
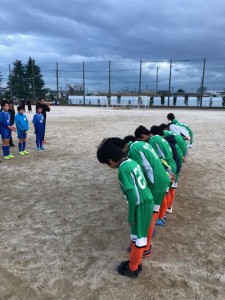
[
  {"x": 157, "y": 80},
  {"x": 83, "y": 84},
  {"x": 203, "y": 80},
  {"x": 171, "y": 61},
  {"x": 57, "y": 81},
  {"x": 140, "y": 77},
  {"x": 10, "y": 82},
  {"x": 109, "y": 79},
  {"x": 34, "y": 96}
]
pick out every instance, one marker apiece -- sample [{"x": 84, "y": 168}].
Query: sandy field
[{"x": 63, "y": 219}]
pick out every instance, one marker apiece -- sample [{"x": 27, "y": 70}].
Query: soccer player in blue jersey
[
  {"x": 6, "y": 129},
  {"x": 39, "y": 127},
  {"x": 22, "y": 127}
]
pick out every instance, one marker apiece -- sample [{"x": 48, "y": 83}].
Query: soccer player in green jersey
[
  {"x": 155, "y": 174},
  {"x": 140, "y": 203},
  {"x": 162, "y": 148},
  {"x": 171, "y": 118}
]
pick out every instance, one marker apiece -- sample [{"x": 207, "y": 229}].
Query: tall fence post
[
  {"x": 203, "y": 80},
  {"x": 170, "y": 76},
  {"x": 109, "y": 81},
  {"x": 157, "y": 80},
  {"x": 83, "y": 84},
  {"x": 140, "y": 75},
  {"x": 57, "y": 81}
]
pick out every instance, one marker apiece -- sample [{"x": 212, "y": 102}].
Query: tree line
[{"x": 25, "y": 81}]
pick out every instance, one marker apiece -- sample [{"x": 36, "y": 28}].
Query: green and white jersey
[
  {"x": 161, "y": 147},
  {"x": 185, "y": 126},
  {"x": 181, "y": 143},
  {"x": 146, "y": 157},
  {"x": 140, "y": 200},
  {"x": 131, "y": 177}
]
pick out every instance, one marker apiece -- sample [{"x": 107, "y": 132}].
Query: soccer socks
[
  {"x": 135, "y": 257},
  {"x": 172, "y": 193},
  {"x": 4, "y": 150},
  {"x": 163, "y": 208},
  {"x": 168, "y": 196},
  {"x": 24, "y": 146},
  {"x": 20, "y": 147},
  {"x": 151, "y": 230},
  {"x": 7, "y": 147}
]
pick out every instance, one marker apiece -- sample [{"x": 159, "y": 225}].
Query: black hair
[
  {"x": 170, "y": 117},
  {"x": 153, "y": 130},
  {"x": 4, "y": 102},
  {"x": 117, "y": 142},
  {"x": 129, "y": 138},
  {"x": 164, "y": 126},
  {"x": 141, "y": 130},
  {"x": 41, "y": 99},
  {"x": 107, "y": 151},
  {"x": 20, "y": 107},
  {"x": 158, "y": 130}
]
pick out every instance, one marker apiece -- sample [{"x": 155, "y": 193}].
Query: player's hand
[{"x": 12, "y": 128}]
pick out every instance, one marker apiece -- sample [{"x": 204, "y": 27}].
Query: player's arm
[
  {"x": 18, "y": 125},
  {"x": 47, "y": 107},
  {"x": 130, "y": 194}
]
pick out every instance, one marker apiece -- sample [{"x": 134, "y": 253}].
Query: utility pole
[
  {"x": 83, "y": 84},
  {"x": 10, "y": 82},
  {"x": 57, "y": 81},
  {"x": 171, "y": 61},
  {"x": 203, "y": 80},
  {"x": 34, "y": 96}
]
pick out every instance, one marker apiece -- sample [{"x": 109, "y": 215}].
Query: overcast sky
[{"x": 79, "y": 30}]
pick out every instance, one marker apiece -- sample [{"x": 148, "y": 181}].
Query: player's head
[
  {"x": 119, "y": 143},
  {"x": 170, "y": 117},
  {"x": 164, "y": 126},
  {"x": 156, "y": 130},
  {"x": 129, "y": 138},
  {"x": 11, "y": 105},
  {"x": 5, "y": 105},
  {"x": 142, "y": 134},
  {"x": 153, "y": 130},
  {"x": 39, "y": 110},
  {"x": 20, "y": 109},
  {"x": 109, "y": 154},
  {"x": 41, "y": 100}
]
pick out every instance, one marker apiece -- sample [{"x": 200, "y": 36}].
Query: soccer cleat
[
  {"x": 11, "y": 156},
  {"x": 21, "y": 153},
  {"x": 160, "y": 222},
  {"x": 6, "y": 157},
  {"x": 147, "y": 253},
  {"x": 42, "y": 148},
  {"x": 26, "y": 152},
  {"x": 123, "y": 269},
  {"x": 38, "y": 149},
  {"x": 169, "y": 210}
]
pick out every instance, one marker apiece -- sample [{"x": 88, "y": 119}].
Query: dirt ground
[{"x": 63, "y": 219}]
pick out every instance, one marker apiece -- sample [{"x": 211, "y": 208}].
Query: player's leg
[{"x": 20, "y": 144}]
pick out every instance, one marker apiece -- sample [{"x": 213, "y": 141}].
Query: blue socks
[
  {"x": 24, "y": 146},
  {"x": 4, "y": 149},
  {"x": 20, "y": 147}
]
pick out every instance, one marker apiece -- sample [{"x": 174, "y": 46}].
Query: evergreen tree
[
  {"x": 18, "y": 80},
  {"x": 34, "y": 79}
]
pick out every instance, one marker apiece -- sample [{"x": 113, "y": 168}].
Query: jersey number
[{"x": 140, "y": 177}]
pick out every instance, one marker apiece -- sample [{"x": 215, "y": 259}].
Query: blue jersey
[
  {"x": 21, "y": 123},
  {"x": 38, "y": 120},
  {"x": 5, "y": 121}
]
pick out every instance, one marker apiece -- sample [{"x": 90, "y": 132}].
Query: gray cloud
[{"x": 76, "y": 31}]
